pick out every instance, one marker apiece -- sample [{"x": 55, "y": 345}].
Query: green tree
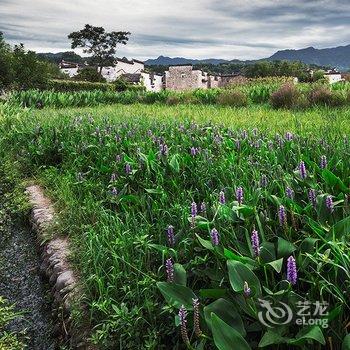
[
  {"x": 6, "y": 72},
  {"x": 89, "y": 74},
  {"x": 99, "y": 43}
]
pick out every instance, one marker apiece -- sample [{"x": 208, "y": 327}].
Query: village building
[
  {"x": 151, "y": 81},
  {"x": 69, "y": 68},
  {"x": 333, "y": 76},
  {"x": 184, "y": 77},
  {"x": 122, "y": 66}
]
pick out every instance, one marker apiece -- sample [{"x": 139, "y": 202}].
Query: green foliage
[
  {"x": 89, "y": 74},
  {"x": 71, "y": 86},
  {"x": 119, "y": 238},
  {"x": 232, "y": 98}
]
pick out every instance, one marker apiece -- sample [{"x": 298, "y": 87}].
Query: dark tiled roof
[
  {"x": 132, "y": 78},
  {"x": 125, "y": 60}
]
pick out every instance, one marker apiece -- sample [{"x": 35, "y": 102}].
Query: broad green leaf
[
  {"x": 271, "y": 338},
  {"x": 226, "y": 337},
  {"x": 227, "y": 312},
  {"x": 342, "y": 228},
  {"x": 213, "y": 293},
  {"x": 180, "y": 276},
  {"x": 334, "y": 181},
  {"x": 244, "y": 259},
  {"x": 267, "y": 252},
  {"x": 276, "y": 265},
  {"x": 346, "y": 343},
  {"x": 174, "y": 163},
  {"x": 307, "y": 333},
  {"x": 308, "y": 244},
  {"x": 154, "y": 190},
  {"x": 205, "y": 243},
  {"x": 176, "y": 294},
  {"x": 284, "y": 248},
  {"x": 240, "y": 273}
]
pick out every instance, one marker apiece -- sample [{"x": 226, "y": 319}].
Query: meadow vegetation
[{"x": 183, "y": 217}]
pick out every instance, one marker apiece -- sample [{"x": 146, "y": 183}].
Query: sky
[{"x": 229, "y": 29}]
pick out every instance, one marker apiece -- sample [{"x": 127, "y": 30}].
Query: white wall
[
  {"x": 71, "y": 72},
  {"x": 112, "y": 73},
  {"x": 333, "y": 78},
  {"x": 155, "y": 85}
]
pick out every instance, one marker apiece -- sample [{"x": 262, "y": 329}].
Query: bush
[
  {"x": 286, "y": 96},
  {"x": 173, "y": 100},
  {"x": 232, "y": 98},
  {"x": 89, "y": 74},
  {"x": 323, "y": 96},
  {"x": 70, "y": 85}
]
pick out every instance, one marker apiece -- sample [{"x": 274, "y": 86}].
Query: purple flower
[
  {"x": 288, "y": 136},
  {"x": 289, "y": 193},
  {"x": 194, "y": 210},
  {"x": 244, "y": 134},
  {"x": 238, "y": 144},
  {"x": 302, "y": 170},
  {"x": 128, "y": 169},
  {"x": 203, "y": 207},
  {"x": 194, "y": 151},
  {"x": 246, "y": 290},
  {"x": 263, "y": 180},
  {"x": 114, "y": 191},
  {"x": 323, "y": 162},
  {"x": 222, "y": 199},
  {"x": 169, "y": 267},
  {"x": 163, "y": 149},
  {"x": 312, "y": 197},
  {"x": 183, "y": 323},
  {"x": 255, "y": 243},
  {"x": 215, "y": 238},
  {"x": 239, "y": 195},
  {"x": 196, "y": 318},
  {"x": 118, "y": 158},
  {"x": 171, "y": 236},
  {"x": 292, "y": 275},
  {"x": 113, "y": 177},
  {"x": 282, "y": 216},
  {"x": 329, "y": 203}
]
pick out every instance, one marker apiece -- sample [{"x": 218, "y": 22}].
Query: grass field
[{"x": 166, "y": 204}]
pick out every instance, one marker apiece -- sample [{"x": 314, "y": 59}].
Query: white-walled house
[
  {"x": 151, "y": 81},
  {"x": 122, "y": 66},
  {"x": 69, "y": 68},
  {"x": 333, "y": 76}
]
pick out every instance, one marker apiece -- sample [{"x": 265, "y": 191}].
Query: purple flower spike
[
  {"x": 329, "y": 203},
  {"x": 194, "y": 209},
  {"x": 203, "y": 207},
  {"x": 263, "y": 181},
  {"x": 196, "y": 318},
  {"x": 118, "y": 158},
  {"x": 323, "y": 162},
  {"x": 246, "y": 290},
  {"x": 128, "y": 169},
  {"x": 292, "y": 275},
  {"x": 222, "y": 199},
  {"x": 171, "y": 236},
  {"x": 255, "y": 243},
  {"x": 312, "y": 197},
  {"x": 215, "y": 238},
  {"x": 289, "y": 193},
  {"x": 302, "y": 170},
  {"x": 113, "y": 177},
  {"x": 114, "y": 191},
  {"x": 239, "y": 195},
  {"x": 288, "y": 136},
  {"x": 183, "y": 323},
  {"x": 193, "y": 151},
  {"x": 282, "y": 216},
  {"x": 169, "y": 267},
  {"x": 163, "y": 149}
]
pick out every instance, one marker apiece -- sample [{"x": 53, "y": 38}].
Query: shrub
[
  {"x": 232, "y": 98},
  {"x": 90, "y": 74},
  {"x": 70, "y": 85},
  {"x": 286, "y": 96},
  {"x": 173, "y": 100},
  {"x": 323, "y": 96}
]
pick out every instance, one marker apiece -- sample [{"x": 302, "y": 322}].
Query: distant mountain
[
  {"x": 69, "y": 56},
  {"x": 169, "y": 61},
  {"x": 338, "y": 57}
]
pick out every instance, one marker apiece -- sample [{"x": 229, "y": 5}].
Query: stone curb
[{"x": 55, "y": 267}]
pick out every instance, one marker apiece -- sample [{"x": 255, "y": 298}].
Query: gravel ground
[{"x": 21, "y": 284}]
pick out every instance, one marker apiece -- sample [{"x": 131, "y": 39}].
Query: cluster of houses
[{"x": 178, "y": 78}]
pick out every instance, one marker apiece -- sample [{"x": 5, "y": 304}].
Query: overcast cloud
[{"x": 189, "y": 28}]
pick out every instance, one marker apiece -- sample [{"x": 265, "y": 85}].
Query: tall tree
[{"x": 96, "y": 41}]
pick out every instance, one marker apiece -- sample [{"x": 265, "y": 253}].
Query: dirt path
[{"x": 20, "y": 283}]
